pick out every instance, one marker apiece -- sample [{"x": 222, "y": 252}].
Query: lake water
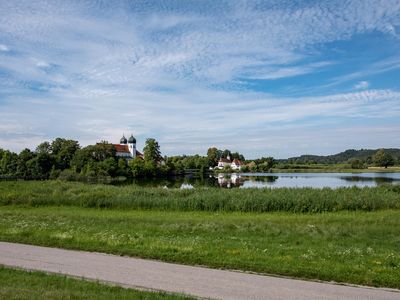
[{"x": 276, "y": 180}]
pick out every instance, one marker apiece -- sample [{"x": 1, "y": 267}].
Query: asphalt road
[{"x": 195, "y": 281}]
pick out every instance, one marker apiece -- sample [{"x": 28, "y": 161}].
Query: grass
[
  {"x": 42, "y": 193},
  {"x": 350, "y": 246},
  {"x": 18, "y": 284}
]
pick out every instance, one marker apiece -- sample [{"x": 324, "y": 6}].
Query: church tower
[{"x": 132, "y": 146}]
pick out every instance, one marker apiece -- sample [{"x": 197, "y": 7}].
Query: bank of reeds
[{"x": 58, "y": 193}]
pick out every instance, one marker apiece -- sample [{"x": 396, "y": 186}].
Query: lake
[{"x": 276, "y": 180}]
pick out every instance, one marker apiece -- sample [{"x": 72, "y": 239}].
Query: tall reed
[{"x": 38, "y": 193}]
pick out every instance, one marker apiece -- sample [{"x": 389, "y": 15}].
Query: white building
[
  {"x": 127, "y": 148},
  {"x": 236, "y": 164},
  {"x": 224, "y": 162}
]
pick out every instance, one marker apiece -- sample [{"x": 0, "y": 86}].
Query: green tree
[
  {"x": 82, "y": 157},
  {"x": 252, "y": 166},
  {"x": 123, "y": 169},
  {"x": 137, "y": 167},
  {"x": 356, "y": 163},
  {"x": 44, "y": 147},
  {"x": 227, "y": 153},
  {"x": 43, "y": 164},
  {"x": 103, "y": 150},
  {"x": 237, "y": 155},
  {"x": 8, "y": 163},
  {"x": 382, "y": 159},
  {"x": 63, "y": 151},
  {"x": 109, "y": 166},
  {"x": 212, "y": 156},
  {"x": 23, "y": 158},
  {"x": 267, "y": 163},
  {"x": 152, "y": 152}
]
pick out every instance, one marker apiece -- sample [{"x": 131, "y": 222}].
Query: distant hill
[{"x": 341, "y": 157}]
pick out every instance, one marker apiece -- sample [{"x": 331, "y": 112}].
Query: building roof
[
  {"x": 237, "y": 162},
  {"x": 132, "y": 140},
  {"x": 123, "y": 140},
  {"x": 121, "y": 148},
  {"x": 224, "y": 160},
  {"x": 139, "y": 154}
]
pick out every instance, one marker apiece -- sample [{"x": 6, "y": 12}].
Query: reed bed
[{"x": 297, "y": 200}]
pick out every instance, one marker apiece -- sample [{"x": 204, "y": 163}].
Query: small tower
[
  {"x": 123, "y": 140},
  {"x": 132, "y": 146}
]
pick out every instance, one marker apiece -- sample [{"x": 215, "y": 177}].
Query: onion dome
[
  {"x": 123, "y": 140},
  {"x": 132, "y": 140}
]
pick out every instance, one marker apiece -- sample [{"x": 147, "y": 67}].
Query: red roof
[
  {"x": 224, "y": 160},
  {"x": 139, "y": 154},
  {"x": 237, "y": 162},
  {"x": 121, "y": 148}
]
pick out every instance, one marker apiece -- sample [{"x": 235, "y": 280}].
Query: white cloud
[
  {"x": 361, "y": 85},
  {"x": 3, "y": 48},
  {"x": 153, "y": 70},
  {"x": 278, "y": 72}
]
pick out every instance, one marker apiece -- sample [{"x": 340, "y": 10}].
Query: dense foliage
[
  {"x": 365, "y": 156},
  {"x": 65, "y": 159}
]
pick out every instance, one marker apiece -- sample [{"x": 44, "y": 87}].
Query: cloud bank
[{"x": 197, "y": 74}]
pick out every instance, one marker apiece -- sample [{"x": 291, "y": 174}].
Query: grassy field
[
  {"x": 18, "y": 284},
  {"x": 353, "y": 246},
  {"x": 42, "y": 193}
]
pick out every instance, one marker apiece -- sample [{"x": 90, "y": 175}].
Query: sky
[{"x": 265, "y": 78}]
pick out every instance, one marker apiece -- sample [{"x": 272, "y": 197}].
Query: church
[{"x": 127, "y": 148}]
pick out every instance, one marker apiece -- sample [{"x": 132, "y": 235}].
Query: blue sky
[{"x": 278, "y": 78}]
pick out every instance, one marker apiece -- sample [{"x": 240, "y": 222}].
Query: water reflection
[
  {"x": 232, "y": 180},
  {"x": 275, "y": 180}
]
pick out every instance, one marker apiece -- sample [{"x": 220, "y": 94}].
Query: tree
[
  {"x": 23, "y": 157},
  {"x": 103, "y": 150},
  {"x": 44, "y": 147},
  {"x": 123, "y": 169},
  {"x": 356, "y": 163},
  {"x": 382, "y": 159},
  {"x": 82, "y": 157},
  {"x": 108, "y": 166},
  {"x": 268, "y": 163},
  {"x": 63, "y": 151},
  {"x": 252, "y": 166},
  {"x": 8, "y": 163},
  {"x": 43, "y": 164},
  {"x": 151, "y": 152},
  {"x": 212, "y": 156},
  {"x": 137, "y": 167},
  {"x": 227, "y": 153},
  {"x": 237, "y": 155}
]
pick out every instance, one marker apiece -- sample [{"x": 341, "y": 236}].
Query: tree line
[
  {"x": 66, "y": 159},
  {"x": 356, "y": 158}
]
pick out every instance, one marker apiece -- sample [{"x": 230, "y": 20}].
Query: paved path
[{"x": 197, "y": 281}]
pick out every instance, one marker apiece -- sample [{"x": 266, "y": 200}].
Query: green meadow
[
  {"x": 348, "y": 246},
  {"x": 21, "y": 285}
]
